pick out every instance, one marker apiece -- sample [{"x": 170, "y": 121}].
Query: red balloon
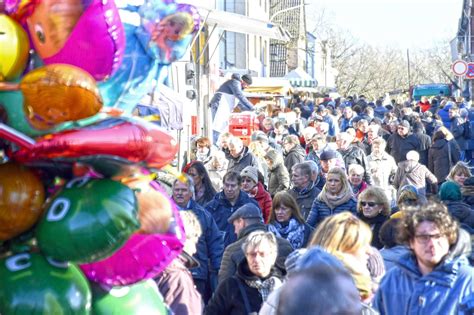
[{"x": 131, "y": 139}]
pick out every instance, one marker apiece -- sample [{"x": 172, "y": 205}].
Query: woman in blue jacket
[
  {"x": 434, "y": 277},
  {"x": 336, "y": 197}
]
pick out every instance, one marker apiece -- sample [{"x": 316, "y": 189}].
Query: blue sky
[{"x": 398, "y": 23}]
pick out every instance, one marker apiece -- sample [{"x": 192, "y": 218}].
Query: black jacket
[
  {"x": 398, "y": 147},
  {"x": 438, "y": 158},
  {"x": 228, "y": 298},
  {"x": 233, "y": 253},
  {"x": 375, "y": 225},
  {"x": 462, "y": 212},
  {"x": 245, "y": 159},
  {"x": 305, "y": 198}
]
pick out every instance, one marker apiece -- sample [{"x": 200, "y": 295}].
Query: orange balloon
[
  {"x": 58, "y": 93},
  {"x": 154, "y": 208},
  {"x": 21, "y": 200}
]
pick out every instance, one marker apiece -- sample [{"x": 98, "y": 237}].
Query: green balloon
[
  {"x": 33, "y": 284},
  {"x": 88, "y": 220},
  {"x": 140, "y": 298}
]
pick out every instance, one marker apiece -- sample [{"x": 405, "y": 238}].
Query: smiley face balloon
[
  {"x": 15, "y": 46},
  {"x": 33, "y": 284},
  {"x": 21, "y": 200},
  {"x": 88, "y": 220}
]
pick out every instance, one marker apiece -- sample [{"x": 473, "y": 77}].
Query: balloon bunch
[{"x": 83, "y": 224}]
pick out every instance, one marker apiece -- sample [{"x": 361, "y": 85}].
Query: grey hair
[
  {"x": 256, "y": 238},
  {"x": 189, "y": 182}
]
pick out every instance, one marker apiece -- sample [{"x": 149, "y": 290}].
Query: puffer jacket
[
  {"x": 295, "y": 156},
  {"x": 305, "y": 198},
  {"x": 210, "y": 245},
  {"x": 278, "y": 177},
  {"x": 438, "y": 158},
  {"x": 233, "y": 254},
  {"x": 404, "y": 290},
  {"x": 320, "y": 210},
  {"x": 413, "y": 173},
  {"x": 462, "y": 212},
  {"x": 242, "y": 161},
  {"x": 221, "y": 209}
]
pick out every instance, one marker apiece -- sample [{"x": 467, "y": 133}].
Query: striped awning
[{"x": 300, "y": 78}]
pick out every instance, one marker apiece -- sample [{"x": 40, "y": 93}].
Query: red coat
[{"x": 264, "y": 200}]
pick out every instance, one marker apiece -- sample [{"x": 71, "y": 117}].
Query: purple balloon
[{"x": 143, "y": 256}]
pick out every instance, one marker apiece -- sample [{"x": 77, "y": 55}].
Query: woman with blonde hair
[
  {"x": 459, "y": 173},
  {"x": 374, "y": 209},
  {"x": 348, "y": 238},
  {"x": 335, "y": 197},
  {"x": 443, "y": 154}
]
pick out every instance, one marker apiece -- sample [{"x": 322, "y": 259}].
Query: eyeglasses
[
  {"x": 370, "y": 204},
  {"x": 424, "y": 238}
]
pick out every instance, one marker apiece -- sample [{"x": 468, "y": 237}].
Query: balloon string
[
  {"x": 17, "y": 137},
  {"x": 6, "y": 86}
]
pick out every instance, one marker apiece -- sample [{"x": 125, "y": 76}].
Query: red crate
[{"x": 243, "y": 124}]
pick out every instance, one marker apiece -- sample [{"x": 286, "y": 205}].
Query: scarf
[
  {"x": 334, "y": 201},
  {"x": 264, "y": 287},
  {"x": 359, "y": 273},
  {"x": 293, "y": 232}
]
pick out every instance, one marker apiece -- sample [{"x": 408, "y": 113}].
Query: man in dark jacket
[
  {"x": 401, "y": 142},
  {"x": 294, "y": 152},
  {"x": 232, "y": 87},
  {"x": 246, "y": 220},
  {"x": 304, "y": 189},
  {"x": 203, "y": 239},
  {"x": 241, "y": 157},
  {"x": 425, "y": 141},
  {"x": 352, "y": 154},
  {"x": 227, "y": 202},
  {"x": 457, "y": 129}
]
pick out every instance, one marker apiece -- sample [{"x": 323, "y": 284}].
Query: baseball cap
[{"x": 247, "y": 211}]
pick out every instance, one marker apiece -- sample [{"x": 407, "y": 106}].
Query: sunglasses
[{"x": 370, "y": 204}]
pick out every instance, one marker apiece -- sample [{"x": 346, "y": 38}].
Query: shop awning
[
  {"x": 300, "y": 78},
  {"x": 278, "y": 86},
  {"x": 239, "y": 23}
]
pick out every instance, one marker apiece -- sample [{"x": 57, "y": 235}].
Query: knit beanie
[
  {"x": 250, "y": 172},
  {"x": 316, "y": 256},
  {"x": 450, "y": 191}
]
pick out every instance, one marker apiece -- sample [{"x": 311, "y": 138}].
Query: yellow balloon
[{"x": 14, "y": 47}]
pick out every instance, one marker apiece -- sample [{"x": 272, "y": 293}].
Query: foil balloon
[
  {"x": 84, "y": 33},
  {"x": 144, "y": 256},
  {"x": 14, "y": 49},
  {"x": 138, "y": 299},
  {"x": 164, "y": 36},
  {"x": 57, "y": 93},
  {"x": 131, "y": 139},
  {"x": 21, "y": 200},
  {"x": 33, "y": 284},
  {"x": 88, "y": 220}
]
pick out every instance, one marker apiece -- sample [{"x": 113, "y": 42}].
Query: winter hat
[
  {"x": 259, "y": 136},
  {"x": 317, "y": 256},
  {"x": 375, "y": 264},
  {"x": 271, "y": 155},
  {"x": 405, "y": 124},
  {"x": 250, "y": 172},
  {"x": 328, "y": 155},
  {"x": 450, "y": 191},
  {"x": 247, "y": 78},
  {"x": 247, "y": 211}
]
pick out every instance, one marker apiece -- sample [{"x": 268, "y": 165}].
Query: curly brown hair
[{"x": 432, "y": 212}]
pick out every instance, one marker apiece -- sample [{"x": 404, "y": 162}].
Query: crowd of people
[{"x": 352, "y": 208}]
